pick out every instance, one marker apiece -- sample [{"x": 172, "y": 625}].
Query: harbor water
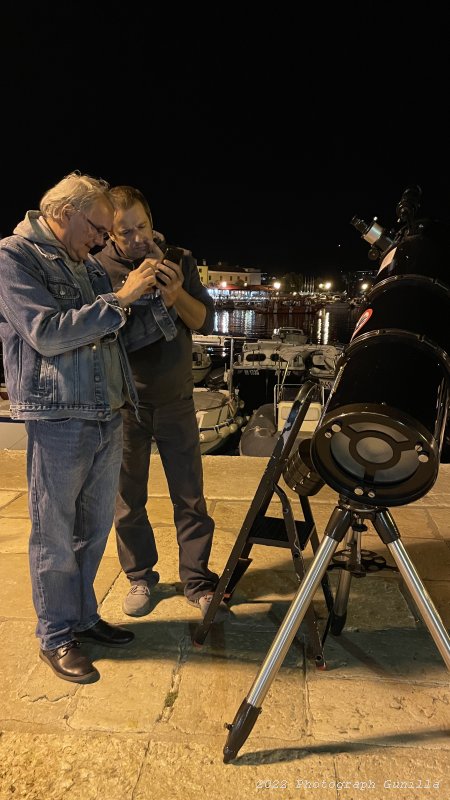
[{"x": 328, "y": 326}]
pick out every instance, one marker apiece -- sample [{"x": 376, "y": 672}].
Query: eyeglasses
[{"x": 98, "y": 229}]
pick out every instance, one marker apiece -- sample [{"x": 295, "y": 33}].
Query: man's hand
[
  {"x": 169, "y": 280},
  {"x": 139, "y": 281}
]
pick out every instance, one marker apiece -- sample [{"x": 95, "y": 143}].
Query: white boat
[
  {"x": 266, "y": 363},
  {"x": 290, "y": 335},
  {"x": 280, "y": 354},
  {"x": 218, "y": 416},
  {"x": 201, "y": 362},
  {"x": 214, "y": 339},
  {"x": 263, "y": 364},
  {"x": 270, "y": 355}
]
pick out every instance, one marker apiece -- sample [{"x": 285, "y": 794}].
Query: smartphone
[{"x": 174, "y": 254}]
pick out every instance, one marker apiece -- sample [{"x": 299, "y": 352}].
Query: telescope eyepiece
[
  {"x": 373, "y": 233},
  {"x": 359, "y": 224}
]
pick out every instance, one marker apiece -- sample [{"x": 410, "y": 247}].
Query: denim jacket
[
  {"x": 53, "y": 363},
  {"x": 149, "y": 320}
]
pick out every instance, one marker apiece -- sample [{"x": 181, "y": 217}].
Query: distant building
[{"x": 220, "y": 275}]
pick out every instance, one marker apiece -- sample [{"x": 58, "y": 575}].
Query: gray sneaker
[
  {"x": 203, "y": 603},
  {"x": 137, "y": 601}
]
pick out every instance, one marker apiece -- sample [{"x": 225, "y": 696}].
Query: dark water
[{"x": 323, "y": 327}]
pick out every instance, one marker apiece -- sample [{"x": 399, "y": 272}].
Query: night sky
[{"x": 255, "y": 142}]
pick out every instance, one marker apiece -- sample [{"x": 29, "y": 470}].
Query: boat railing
[
  {"x": 216, "y": 340},
  {"x": 282, "y": 389}
]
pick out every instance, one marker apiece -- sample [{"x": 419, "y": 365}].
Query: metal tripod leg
[
  {"x": 387, "y": 530},
  {"x": 314, "y": 648},
  {"x": 338, "y": 614},
  {"x": 251, "y": 706}
]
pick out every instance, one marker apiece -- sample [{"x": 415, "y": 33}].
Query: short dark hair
[{"x": 124, "y": 197}]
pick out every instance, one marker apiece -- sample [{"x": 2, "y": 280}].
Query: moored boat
[
  {"x": 266, "y": 424},
  {"x": 267, "y": 363},
  {"x": 218, "y": 416},
  {"x": 262, "y": 365},
  {"x": 289, "y": 335},
  {"x": 201, "y": 362}
]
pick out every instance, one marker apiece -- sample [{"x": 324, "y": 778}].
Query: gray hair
[{"x": 79, "y": 190}]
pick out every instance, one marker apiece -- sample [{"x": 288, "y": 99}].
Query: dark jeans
[{"x": 175, "y": 430}]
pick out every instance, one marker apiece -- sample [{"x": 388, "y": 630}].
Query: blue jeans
[{"x": 73, "y": 471}]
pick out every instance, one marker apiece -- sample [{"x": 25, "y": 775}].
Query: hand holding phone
[
  {"x": 174, "y": 254},
  {"x": 169, "y": 276},
  {"x": 165, "y": 274}
]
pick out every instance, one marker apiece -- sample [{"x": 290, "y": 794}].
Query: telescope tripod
[{"x": 346, "y": 515}]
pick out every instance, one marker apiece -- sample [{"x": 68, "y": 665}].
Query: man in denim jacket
[
  {"x": 159, "y": 344},
  {"x": 67, "y": 376}
]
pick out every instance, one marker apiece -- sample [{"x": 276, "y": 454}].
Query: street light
[{"x": 276, "y": 285}]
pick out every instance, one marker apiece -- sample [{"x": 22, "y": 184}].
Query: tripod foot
[
  {"x": 240, "y": 728},
  {"x": 337, "y": 623}
]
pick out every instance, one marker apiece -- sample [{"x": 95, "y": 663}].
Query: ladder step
[{"x": 272, "y": 531}]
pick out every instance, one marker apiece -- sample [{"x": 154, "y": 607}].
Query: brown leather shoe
[
  {"x": 69, "y": 664},
  {"x": 106, "y": 634}
]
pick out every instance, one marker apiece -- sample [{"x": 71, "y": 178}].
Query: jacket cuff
[{"x": 112, "y": 300}]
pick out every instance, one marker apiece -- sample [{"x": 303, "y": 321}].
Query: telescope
[
  {"x": 380, "y": 436},
  {"x": 379, "y": 439}
]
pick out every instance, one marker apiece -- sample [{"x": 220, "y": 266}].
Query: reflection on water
[{"x": 323, "y": 327}]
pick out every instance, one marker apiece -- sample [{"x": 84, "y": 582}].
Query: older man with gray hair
[{"x": 67, "y": 376}]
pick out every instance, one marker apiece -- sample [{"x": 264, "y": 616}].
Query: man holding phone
[{"x": 158, "y": 339}]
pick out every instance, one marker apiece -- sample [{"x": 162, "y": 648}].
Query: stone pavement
[{"x": 374, "y": 723}]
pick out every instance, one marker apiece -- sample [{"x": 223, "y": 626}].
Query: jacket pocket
[{"x": 66, "y": 294}]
